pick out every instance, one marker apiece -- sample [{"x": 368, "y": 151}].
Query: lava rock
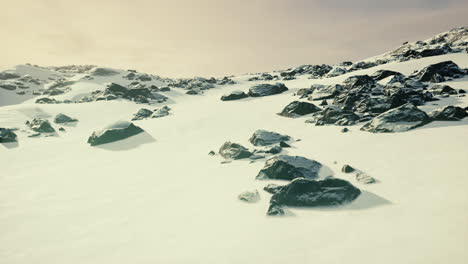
[
  {"x": 265, "y": 138},
  {"x": 234, "y": 151},
  {"x": 284, "y": 167},
  {"x": 400, "y": 119},
  {"x": 448, "y": 113},
  {"x": 235, "y": 95},
  {"x": 310, "y": 193},
  {"x": 267, "y": 89},
  {"x": 117, "y": 131},
  {"x": 7, "y": 135},
  {"x": 249, "y": 196},
  {"x": 62, "y": 118},
  {"x": 299, "y": 108}
]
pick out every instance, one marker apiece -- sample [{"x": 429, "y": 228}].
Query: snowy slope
[{"x": 158, "y": 197}]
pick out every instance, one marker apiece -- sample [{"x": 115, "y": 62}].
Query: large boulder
[
  {"x": 284, "y": 167},
  {"x": 62, "y": 118},
  {"x": 116, "y": 89},
  {"x": 114, "y": 132},
  {"x": 40, "y": 125},
  {"x": 234, "y": 151},
  {"x": 400, "y": 119},
  {"x": 448, "y": 113},
  {"x": 267, "y": 89},
  {"x": 326, "y": 92},
  {"x": 358, "y": 81},
  {"x": 439, "y": 72},
  {"x": 7, "y": 135},
  {"x": 235, "y": 95},
  {"x": 264, "y": 138},
  {"x": 299, "y": 108},
  {"x": 310, "y": 193},
  {"x": 333, "y": 115}
]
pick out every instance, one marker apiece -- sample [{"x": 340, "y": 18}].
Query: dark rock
[
  {"x": 439, "y": 71},
  {"x": 235, "y": 95},
  {"x": 62, "y": 118},
  {"x": 326, "y": 92},
  {"x": 448, "y": 113},
  {"x": 382, "y": 74},
  {"x": 8, "y": 76},
  {"x": 344, "y": 130},
  {"x": 142, "y": 114},
  {"x": 359, "y": 81},
  {"x": 265, "y": 138},
  {"x": 234, "y": 151},
  {"x": 98, "y": 71},
  {"x": 7, "y": 135},
  {"x": 303, "y": 92},
  {"x": 211, "y": 153},
  {"x": 62, "y": 129},
  {"x": 284, "y": 144},
  {"x": 164, "y": 89},
  {"x": 138, "y": 92},
  {"x": 40, "y": 125},
  {"x": 347, "y": 169},
  {"x": 193, "y": 92},
  {"x": 163, "y": 111},
  {"x": 116, "y": 89},
  {"x": 114, "y": 132},
  {"x": 7, "y": 86},
  {"x": 272, "y": 188},
  {"x": 275, "y": 210},
  {"x": 274, "y": 150},
  {"x": 249, "y": 196},
  {"x": 324, "y": 103},
  {"x": 461, "y": 91},
  {"x": 283, "y": 167},
  {"x": 267, "y": 89},
  {"x": 400, "y": 119},
  {"x": 299, "y": 108},
  {"x": 310, "y": 193},
  {"x": 334, "y": 116},
  {"x": 364, "y": 178},
  {"x": 442, "y": 89}
]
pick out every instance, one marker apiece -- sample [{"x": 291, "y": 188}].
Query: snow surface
[{"x": 158, "y": 197}]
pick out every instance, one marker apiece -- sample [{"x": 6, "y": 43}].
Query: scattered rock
[
  {"x": 235, "y": 95},
  {"x": 364, "y": 178},
  {"x": 62, "y": 118},
  {"x": 163, "y": 111},
  {"x": 40, "y": 125},
  {"x": 234, "y": 151},
  {"x": 400, "y": 119},
  {"x": 299, "y": 108},
  {"x": 284, "y": 144},
  {"x": 274, "y": 150},
  {"x": 114, "y": 132},
  {"x": 344, "y": 130},
  {"x": 442, "y": 89},
  {"x": 326, "y": 92},
  {"x": 265, "y": 138},
  {"x": 249, "y": 196},
  {"x": 347, "y": 169},
  {"x": 448, "y": 113},
  {"x": 382, "y": 74},
  {"x": 7, "y": 135},
  {"x": 283, "y": 167},
  {"x": 211, "y": 153},
  {"x": 8, "y": 76},
  {"x": 98, "y": 71},
  {"x": 46, "y": 100},
  {"x": 62, "y": 129},
  {"x": 267, "y": 89},
  {"x": 142, "y": 114},
  {"x": 324, "y": 103},
  {"x": 275, "y": 210},
  {"x": 333, "y": 115},
  {"x": 438, "y": 72}
]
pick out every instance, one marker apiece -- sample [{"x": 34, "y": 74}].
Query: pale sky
[{"x": 185, "y": 38}]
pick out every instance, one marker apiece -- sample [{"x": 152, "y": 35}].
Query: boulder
[
  {"x": 448, "y": 113},
  {"x": 235, "y": 95},
  {"x": 284, "y": 167},
  {"x": 347, "y": 169},
  {"x": 163, "y": 111},
  {"x": 116, "y": 89},
  {"x": 333, "y": 115},
  {"x": 7, "y": 135},
  {"x": 40, "y": 125},
  {"x": 142, "y": 114},
  {"x": 382, "y": 74},
  {"x": 299, "y": 108},
  {"x": 272, "y": 188},
  {"x": 359, "y": 81},
  {"x": 442, "y": 89},
  {"x": 326, "y": 92},
  {"x": 8, "y": 76},
  {"x": 249, "y": 196},
  {"x": 234, "y": 151},
  {"x": 265, "y": 138},
  {"x": 400, "y": 119},
  {"x": 439, "y": 72},
  {"x": 8, "y": 86},
  {"x": 310, "y": 193},
  {"x": 114, "y": 132},
  {"x": 267, "y": 89},
  {"x": 99, "y": 71},
  {"x": 275, "y": 210},
  {"x": 62, "y": 118}
]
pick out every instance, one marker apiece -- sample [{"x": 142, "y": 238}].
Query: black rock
[
  {"x": 46, "y": 100},
  {"x": 283, "y": 167},
  {"x": 274, "y": 150},
  {"x": 114, "y": 132},
  {"x": 62, "y": 129},
  {"x": 138, "y": 92},
  {"x": 358, "y": 81},
  {"x": 442, "y": 89},
  {"x": 142, "y": 114},
  {"x": 272, "y": 188},
  {"x": 265, "y": 138},
  {"x": 40, "y": 125},
  {"x": 310, "y": 193},
  {"x": 347, "y": 169},
  {"x": 439, "y": 71},
  {"x": 324, "y": 103},
  {"x": 116, "y": 89},
  {"x": 267, "y": 89},
  {"x": 284, "y": 144},
  {"x": 461, "y": 91},
  {"x": 344, "y": 130},
  {"x": 299, "y": 108},
  {"x": 193, "y": 92},
  {"x": 448, "y": 113},
  {"x": 234, "y": 151},
  {"x": 235, "y": 95},
  {"x": 334, "y": 116},
  {"x": 211, "y": 153},
  {"x": 382, "y": 74},
  {"x": 7, "y": 135},
  {"x": 62, "y": 118},
  {"x": 400, "y": 119}
]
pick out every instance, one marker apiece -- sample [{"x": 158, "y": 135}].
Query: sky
[{"x": 186, "y": 38}]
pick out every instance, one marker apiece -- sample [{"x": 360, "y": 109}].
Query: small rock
[
  {"x": 234, "y": 151},
  {"x": 235, "y": 95},
  {"x": 344, "y": 130},
  {"x": 364, "y": 178},
  {"x": 62, "y": 118},
  {"x": 284, "y": 144},
  {"x": 40, "y": 125},
  {"x": 114, "y": 132},
  {"x": 211, "y": 153},
  {"x": 265, "y": 138},
  {"x": 249, "y": 196},
  {"x": 7, "y": 135},
  {"x": 347, "y": 169}
]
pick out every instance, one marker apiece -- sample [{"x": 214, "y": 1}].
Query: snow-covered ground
[{"x": 158, "y": 197}]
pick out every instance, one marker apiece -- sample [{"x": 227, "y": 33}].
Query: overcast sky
[{"x": 184, "y": 38}]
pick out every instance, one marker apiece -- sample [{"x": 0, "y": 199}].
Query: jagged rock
[
  {"x": 358, "y": 81},
  {"x": 326, "y": 92},
  {"x": 272, "y": 188},
  {"x": 310, "y": 193},
  {"x": 142, "y": 114},
  {"x": 275, "y": 210},
  {"x": 264, "y": 138},
  {"x": 382, "y": 74},
  {"x": 324, "y": 103},
  {"x": 347, "y": 169},
  {"x": 267, "y": 89},
  {"x": 336, "y": 72},
  {"x": 62, "y": 118},
  {"x": 304, "y": 92},
  {"x": 163, "y": 111},
  {"x": 7, "y": 135},
  {"x": 299, "y": 108},
  {"x": 114, "y": 132},
  {"x": 193, "y": 92},
  {"x": 138, "y": 92},
  {"x": 284, "y": 167},
  {"x": 249, "y": 196},
  {"x": 40, "y": 125},
  {"x": 235, "y": 95},
  {"x": 334, "y": 116},
  {"x": 364, "y": 178},
  {"x": 448, "y": 113},
  {"x": 116, "y": 89},
  {"x": 439, "y": 71},
  {"x": 234, "y": 151},
  {"x": 442, "y": 89},
  {"x": 284, "y": 144},
  {"x": 274, "y": 150},
  {"x": 400, "y": 119},
  {"x": 362, "y": 65},
  {"x": 62, "y": 129}
]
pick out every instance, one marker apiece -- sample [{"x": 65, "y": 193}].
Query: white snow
[{"x": 158, "y": 197}]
